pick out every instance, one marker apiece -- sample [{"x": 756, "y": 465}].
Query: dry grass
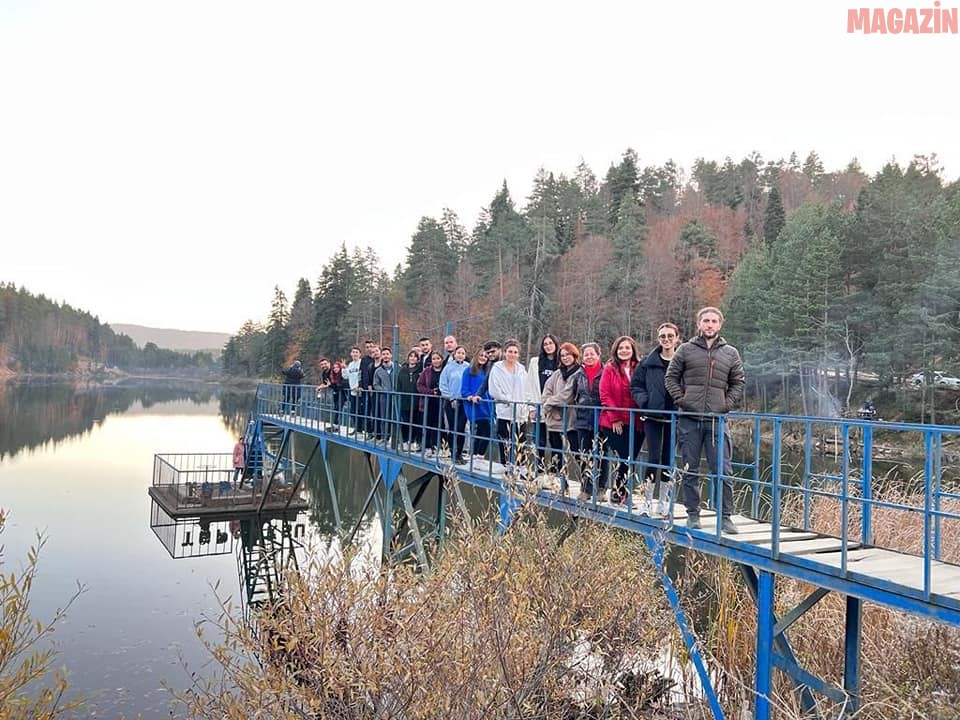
[
  {"x": 512, "y": 626},
  {"x": 524, "y": 626}
]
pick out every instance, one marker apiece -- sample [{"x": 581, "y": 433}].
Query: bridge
[{"x": 790, "y": 473}]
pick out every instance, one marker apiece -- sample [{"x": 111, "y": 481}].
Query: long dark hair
[
  {"x": 475, "y": 367},
  {"x": 543, "y": 357},
  {"x": 614, "y": 358}
]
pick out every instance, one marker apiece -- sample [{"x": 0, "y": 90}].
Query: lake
[{"x": 75, "y": 463}]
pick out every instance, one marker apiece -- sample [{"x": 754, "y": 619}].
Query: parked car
[{"x": 939, "y": 378}]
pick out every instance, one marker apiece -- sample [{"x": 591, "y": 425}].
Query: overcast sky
[{"x": 168, "y": 163}]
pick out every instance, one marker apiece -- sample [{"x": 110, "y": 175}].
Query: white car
[
  {"x": 947, "y": 381},
  {"x": 918, "y": 379}
]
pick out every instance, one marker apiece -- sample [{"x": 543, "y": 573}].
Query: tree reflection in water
[{"x": 34, "y": 414}]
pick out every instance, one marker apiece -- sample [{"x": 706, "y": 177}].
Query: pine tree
[
  {"x": 774, "y": 217},
  {"x": 625, "y": 282}
]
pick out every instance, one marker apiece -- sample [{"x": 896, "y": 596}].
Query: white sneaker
[
  {"x": 665, "y": 509},
  {"x": 414, "y": 447},
  {"x": 430, "y": 454}
]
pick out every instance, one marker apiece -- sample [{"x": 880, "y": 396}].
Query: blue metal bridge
[{"x": 855, "y": 507}]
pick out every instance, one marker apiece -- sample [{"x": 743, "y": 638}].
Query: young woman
[
  {"x": 507, "y": 386},
  {"x": 476, "y": 403},
  {"x": 539, "y": 371},
  {"x": 583, "y": 438},
  {"x": 650, "y": 394},
  {"x": 407, "y": 377},
  {"x": 621, "y": 429},
  {"x": 428, "y": 385},
  {"x": 558, "y": 392},
  {"x": 450, "y": 378}
]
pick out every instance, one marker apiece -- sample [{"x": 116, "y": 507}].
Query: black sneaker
[{"x": 693, "y": 521}]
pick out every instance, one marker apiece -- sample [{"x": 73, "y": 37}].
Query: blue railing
[{"x": 833, "y": 476}]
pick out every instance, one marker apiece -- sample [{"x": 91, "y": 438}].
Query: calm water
[{"x": 75, "y": 464}]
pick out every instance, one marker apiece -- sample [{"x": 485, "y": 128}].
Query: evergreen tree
[
  {"x": 774, "y": 217},
  {"x": 430, "y": 270},
  {"x": 625, "y": 282},
  {"x": 275, "y": 348},
  {"x": 300, "y": 327},
  {"x": 623, "y": 180},
  {"x": 333, "y": 305}
]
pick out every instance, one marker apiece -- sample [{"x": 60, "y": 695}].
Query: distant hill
[{"x": 169, "y": 339}]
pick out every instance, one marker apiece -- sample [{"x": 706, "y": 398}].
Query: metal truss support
[
  {"x": 303, "y": 473},
  {"x": 412, "y": 523},
  {"x": 778, "y": 653},
  {"x": 273, "y": 471},
  {"x": 657, "y": 552},
  {"x": 331, "y": 486},
  {"x": 851, "y": 655},
  {"x": 764, "y": 673}
]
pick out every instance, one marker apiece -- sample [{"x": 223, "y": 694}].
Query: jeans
[{"x": 698, "y": 434}]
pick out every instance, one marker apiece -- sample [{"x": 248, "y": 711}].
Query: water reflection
[{"x": 35, "y": 414}]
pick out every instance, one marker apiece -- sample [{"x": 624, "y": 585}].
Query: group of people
[{"x": 566, "y": 402}]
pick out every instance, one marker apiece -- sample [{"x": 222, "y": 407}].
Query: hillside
[{"x": 183, "y": 340}]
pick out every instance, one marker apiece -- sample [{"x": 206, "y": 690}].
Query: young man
[
  {"x": 353, "y": 381},
  {"x": 426, "y": 347},
  {"x": 384, "y": 380},
  {"x": 449, "y": 345},
  {"x": 493, "y": 351},
  {"x": 705, "y": 378}
]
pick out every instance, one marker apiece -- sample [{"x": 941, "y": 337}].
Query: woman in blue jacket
[{"x": 477, "y": 405}]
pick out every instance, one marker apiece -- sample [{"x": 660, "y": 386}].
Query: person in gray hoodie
[{"x": 705, "y": 378}]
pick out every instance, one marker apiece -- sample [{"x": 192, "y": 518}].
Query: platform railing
[
  {"x": 209, "y": 480},
  {"x": 834, "y": 476}
]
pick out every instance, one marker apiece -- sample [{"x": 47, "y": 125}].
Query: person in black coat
[
  {"x": 649, "y": 392},
  {"x": 292, "y": 377}
]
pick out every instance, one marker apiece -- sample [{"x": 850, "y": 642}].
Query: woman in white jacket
[{"x": 507, "y": 386}]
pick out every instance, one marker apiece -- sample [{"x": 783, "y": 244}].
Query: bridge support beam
[
  {"x": 657, "y": 552},
  {"x": 766, "y": 583},
  {"x": 851, "y": 654}
]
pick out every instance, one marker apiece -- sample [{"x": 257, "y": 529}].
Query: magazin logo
[{"x": 902, "y": 20}]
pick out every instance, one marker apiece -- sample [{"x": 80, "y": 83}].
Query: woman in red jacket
[{"x": 620, "y": 429}]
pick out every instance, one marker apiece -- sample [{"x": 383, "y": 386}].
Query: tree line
[
  {"x": 819, "y": 271},
  {"x": 38, "y": 335}
]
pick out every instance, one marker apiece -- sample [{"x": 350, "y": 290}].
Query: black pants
[
  {"x": 456, "y": 427},
  {"x": 291, "y": 398},
  {"x": 699, "y": 435},
  {"x": 658, "y": 450},
  {"x": 410, "y": 420},
  {"x": 431, "y": 421},
  {"x": 619, "y": 445},
  {"x": 555, "y": 440},
  {"x": 593, "y": 469},
  {"x": 511, "y": 437},
  {"x": 480, "y": 432},
  {"x": 538, "y": 432}
]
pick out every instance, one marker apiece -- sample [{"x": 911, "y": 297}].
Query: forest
[
  {"x": 826, "y": 277},
  {"x": 40, "y": 336}
]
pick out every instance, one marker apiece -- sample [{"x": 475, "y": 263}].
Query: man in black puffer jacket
[{"x": 705, "y": 377}]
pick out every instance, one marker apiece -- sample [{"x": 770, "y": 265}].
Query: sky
[{"x": 169, "y": 163}]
